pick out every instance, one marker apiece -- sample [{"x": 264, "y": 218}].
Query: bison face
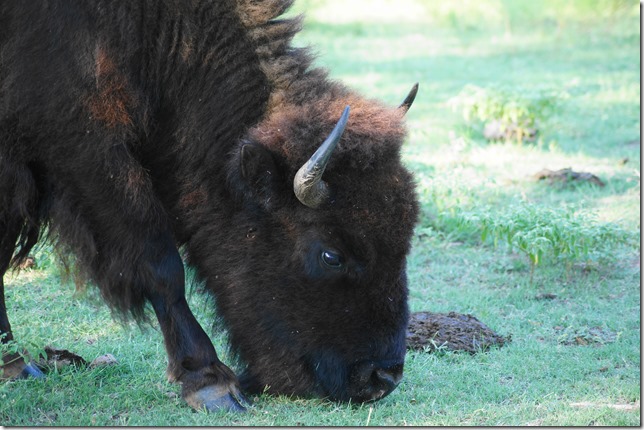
[{"x": 314, "y": 296}]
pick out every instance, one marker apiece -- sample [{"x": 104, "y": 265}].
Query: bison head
[{"x": 309, "y": 274}]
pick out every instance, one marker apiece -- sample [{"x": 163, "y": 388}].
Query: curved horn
[
  {"x": 409, "y": 100},
  {"x": 308, "y": 185}
]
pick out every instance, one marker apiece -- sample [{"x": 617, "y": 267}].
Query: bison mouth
[
  {"x": 369, "y": 380},
  {"x": 363, "y": 381}
]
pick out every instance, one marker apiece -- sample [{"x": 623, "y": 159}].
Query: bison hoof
[
  {"x": 215, "y": 398},
  {"x": 31, "y": 371}
]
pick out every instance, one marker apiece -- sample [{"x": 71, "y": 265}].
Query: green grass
[{"x": 587, "y": 53}]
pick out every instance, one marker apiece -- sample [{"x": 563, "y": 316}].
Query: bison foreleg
[
  {"x": 121, "y": 237},
  {"x": 206, "y": 381}
]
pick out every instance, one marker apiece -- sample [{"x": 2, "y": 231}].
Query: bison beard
[{"x": 130, "y": 129}]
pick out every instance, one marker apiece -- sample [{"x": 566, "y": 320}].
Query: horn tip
[
  {"x": 345, "y": 112},
  {"x": 409, "y": 100}
]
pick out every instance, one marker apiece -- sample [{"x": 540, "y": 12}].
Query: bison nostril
[
  {"x": 371, "y": 382},
  {"x": 388, "y": 377},
  {"x": 384, "y": 381}
]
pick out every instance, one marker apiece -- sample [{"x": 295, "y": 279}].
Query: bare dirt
[
  {"x": 58, "y": 358},
  {"x": 430, "y": 331},
  {"x": 566, "y": 176}
]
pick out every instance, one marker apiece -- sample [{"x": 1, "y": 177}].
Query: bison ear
[
  {"x": 254, "y": 161},
  {"x": 258, "y": 172}
]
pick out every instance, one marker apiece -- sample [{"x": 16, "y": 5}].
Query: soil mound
[{"x": 429, "y": 332}]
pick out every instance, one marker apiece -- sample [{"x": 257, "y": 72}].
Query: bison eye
[{"x": 332, "y": 260}]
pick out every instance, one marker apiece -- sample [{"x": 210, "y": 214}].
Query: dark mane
[{"x": 287, "y": 68}]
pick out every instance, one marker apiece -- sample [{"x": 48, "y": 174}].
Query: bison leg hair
[{"x": 205, "y": 381}]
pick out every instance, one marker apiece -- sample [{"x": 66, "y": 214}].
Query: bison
[{"x": 131, "y": 131}]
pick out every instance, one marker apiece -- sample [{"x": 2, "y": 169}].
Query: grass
[{"x": 574, "y": 358}]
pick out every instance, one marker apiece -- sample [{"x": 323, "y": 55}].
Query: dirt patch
[
  {"x": 429, "y": 332},
  {"x": 28, "y": 262},
  {"x": 59, "y": 358},
  {"x": 545, "y": 296},
  {"x": 566, "y": 176}
]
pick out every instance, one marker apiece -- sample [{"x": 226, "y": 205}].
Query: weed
[
  {"x": 505, "y": 115},
  {"x": 12, "y": 350},
  {"x": 557, "y": 234}
]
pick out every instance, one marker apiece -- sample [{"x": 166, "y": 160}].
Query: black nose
[{"x": 370, "y": 381}]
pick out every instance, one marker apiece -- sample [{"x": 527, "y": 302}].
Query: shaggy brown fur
[
  {"x": 129, "y": 129},
  {"x": 113, "y": 100}
]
